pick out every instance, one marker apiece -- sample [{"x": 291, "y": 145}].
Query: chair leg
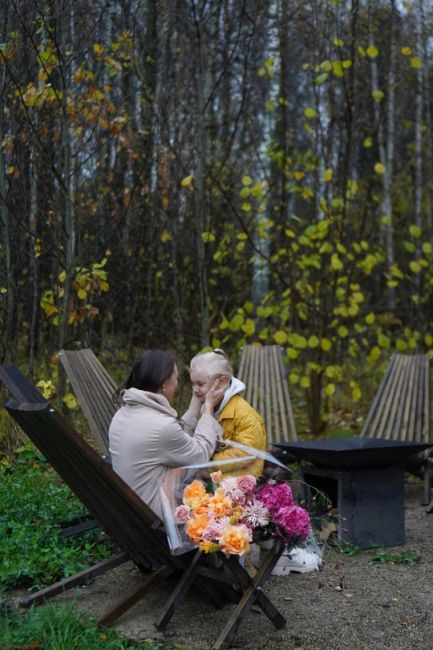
[
  {"x": 153, "y": 580},
  {"x": 78, "y": 579},
  {"x": 253, "y": 594},
  {"x": 178, "y": 594},
  {"x": 427, "y": 485}
]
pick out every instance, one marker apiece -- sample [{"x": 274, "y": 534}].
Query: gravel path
[{"x": 353, "y": 604}]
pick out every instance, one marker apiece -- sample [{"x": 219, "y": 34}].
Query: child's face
[{"x": 201, "y": 383}]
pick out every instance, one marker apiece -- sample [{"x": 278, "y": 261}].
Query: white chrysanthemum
[
  {"x": 232, "y": 490},
  {"x": 257, "y": 514}
]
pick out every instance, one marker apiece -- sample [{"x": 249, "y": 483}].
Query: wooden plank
[
  {"x": 393, "y": 394},
  {"x": 94, "y": 389},
  {"x": 267, "y": 394},
  {"x": 281, "y": 414},
  {"x": 400, "y": 391},
  {"x": 372, "y": 419},
  {"x": 288, "y": 415},
  {"x": 262, "y": 370},
  {"x": 80, "y": 578}
]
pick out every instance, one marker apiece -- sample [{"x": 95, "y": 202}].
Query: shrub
[{"x": 34, "y": 503}]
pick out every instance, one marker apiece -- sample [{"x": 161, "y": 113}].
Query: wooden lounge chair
[
  {"x": 139, "y": 533},
  {"x": 262, "y": 370},
  {"x": 401, "y": 409},
  {"x": 94, "y": 389}
]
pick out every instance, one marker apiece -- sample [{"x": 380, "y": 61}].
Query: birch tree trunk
[
  {"x": 8, "y": 300},
  {"x": 428, "y": 187},
  {"x": 386, "y": 149},
  {"x": 202, "y": 149},
  {"x": 33, "y": 254},
  {"x": 66, "y": 32},
  {"x": 418, "y": 138}
]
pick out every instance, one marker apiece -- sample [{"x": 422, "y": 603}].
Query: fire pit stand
[
  {"x": 364, "y": 480},
  {"x": 370, "y": 503}
]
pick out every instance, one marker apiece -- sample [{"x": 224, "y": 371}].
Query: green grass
[
  {"x": 405, "y": 557},
  {"x": 61, "y": 628},
  {"x": 33, "y": 503}
]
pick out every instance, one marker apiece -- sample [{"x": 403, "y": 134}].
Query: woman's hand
[
  {"x": 195, "y": 405},
  {"x": 215, "y": 395}
]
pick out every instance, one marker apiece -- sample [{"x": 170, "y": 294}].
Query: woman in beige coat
[{"x": 146, "y": 437}]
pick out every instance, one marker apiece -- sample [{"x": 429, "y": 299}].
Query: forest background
[{"x": 186, "y": 173}]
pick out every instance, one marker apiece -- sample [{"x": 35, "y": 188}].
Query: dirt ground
[{"x": 354, "y": 603}]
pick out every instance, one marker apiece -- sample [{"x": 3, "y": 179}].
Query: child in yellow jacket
[{"x": 240, "y": 422}]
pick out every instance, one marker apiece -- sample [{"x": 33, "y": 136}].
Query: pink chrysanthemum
[
  {"x": 276, "y": 496},
  {"x": 213, "y": 531},
  {"x": 256, "y": 514},
  {"x": 246, "y": 483},
  {"x": 294, "y": 521},
  {"x": 182, "y": 514}
]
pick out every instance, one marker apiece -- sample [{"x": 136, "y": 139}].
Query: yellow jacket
[{"x": 242, "y": 424}]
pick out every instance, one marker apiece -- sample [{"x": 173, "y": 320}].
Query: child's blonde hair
[{"x": 212, "y": 364}]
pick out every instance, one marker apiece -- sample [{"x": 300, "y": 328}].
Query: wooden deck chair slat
[
  {"x": 261, "y": 368},
  {"x": 84, "y": 364},
  {"x": 401, "y": 410},
  {"x": 284, "y": 412},
  {"x": 288, "y": 412},
  {"x": 398, "y": 397},
  {"x": 378, "y": 398},
  {"x": 399, "y": 422},
  {"x": 392, "y": 396},
  {"x": 414, "y": 386},
  {"x": 94, "y": 389},
  {"x": 422, "y": 412},
  {"x": 266, "y": 389},
  {"x": 277, "y": 398},
  {"x": 410, "y": 399},
  {"x": 426, "y": 405},
  {"x": 419, "y": 401},
  {"x": 88, "y": 387},
  {"x": 255, "y": 374}
]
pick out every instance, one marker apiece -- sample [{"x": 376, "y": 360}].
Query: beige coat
[{"x": 146, "y": 438}]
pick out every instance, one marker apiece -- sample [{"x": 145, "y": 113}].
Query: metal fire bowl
[{"x": 357, "y": 452}]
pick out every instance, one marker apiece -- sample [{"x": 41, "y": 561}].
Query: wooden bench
[
  {"x": 262, "y": 370},
  {"x": 401, "y": 409}
]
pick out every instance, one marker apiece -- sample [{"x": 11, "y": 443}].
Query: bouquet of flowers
[{"x": 227, "y": 514}]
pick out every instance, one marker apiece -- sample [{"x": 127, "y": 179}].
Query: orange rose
[
  {"x": 220, "y": 505},
  {"x": 216, "y": 477},
  {"x": 200, "y": 506},
  {"x": 193, "y": 491},
  {"x": 195, "y": 527},
  {"x": 235, "y": 540}
]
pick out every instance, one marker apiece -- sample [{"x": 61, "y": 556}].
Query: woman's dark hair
[{"x": 151, "y": 370}]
